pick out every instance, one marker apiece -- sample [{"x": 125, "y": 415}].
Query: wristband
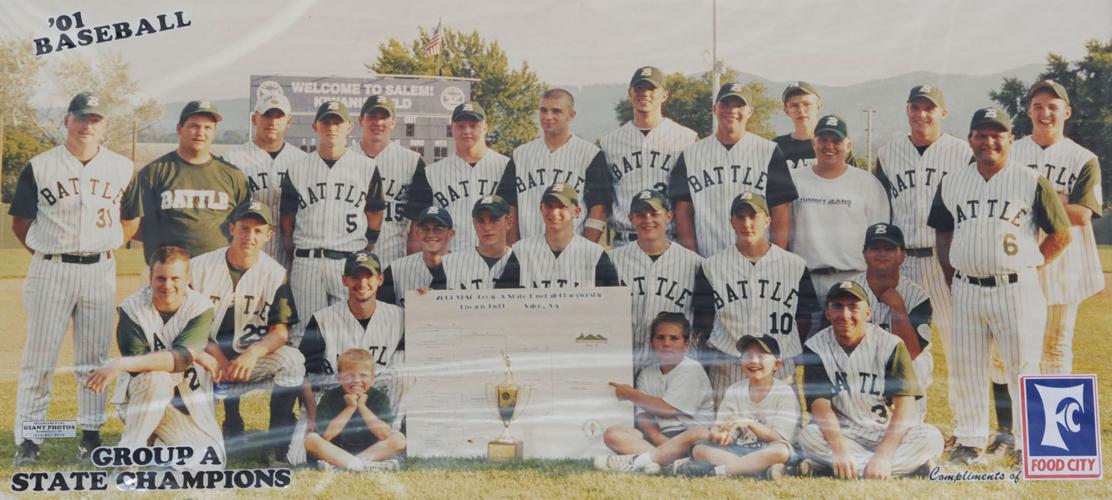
[
  {"x": 372, "y": 236},
  {"x": 596, "y": 224}
]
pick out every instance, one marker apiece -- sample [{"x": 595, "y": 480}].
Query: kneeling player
[
  {"x": 757, "y": 421},
  {"x": 354, "y": 420},
  {"x": 673, "y": 400}
]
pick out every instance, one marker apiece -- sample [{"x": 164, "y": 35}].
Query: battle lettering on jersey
[
  {"x": 1062, "y": 178},
  {"x": 195, "y": 199},
  {"x": 338, "y": 191},
  {"x": 541, "y": 178},
  {"x": 664, "y": 287},
  {"x": 259, "y": 181},
  {"x": 636, "y": 161},
  {"x": 556, "y": 283},
  {"x": 97, "y": 187},
  {"x": 397, "y": 191},
  {"x": 451, "y": 194},
  {"x": 741, "y": 290},
  {"x": 910, "y": 179},
  {"x": 801, "y": 163},
  {"x": 750, "y": 176},
  {"x": 992, "y": 208}
]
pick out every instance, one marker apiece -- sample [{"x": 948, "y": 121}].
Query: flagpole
[{"x": 440, "y": 53}]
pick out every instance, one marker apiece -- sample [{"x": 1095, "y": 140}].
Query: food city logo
[
  {"x": 73, "y": 33},
  {"x": 1061, "y": 427}
]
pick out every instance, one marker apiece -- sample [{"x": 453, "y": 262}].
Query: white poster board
[{"x": 564, "y": 346}]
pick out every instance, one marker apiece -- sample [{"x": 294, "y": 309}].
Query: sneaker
[
  {"x": 692, "y": 468},
  {"x": 775, "y": 473},
  {"x": 1003, "y": 442},
  {"x": 90, "y": 440},
  {"x": 923, "y": 471},
  {"x": 389, "y": 465},
  {"x": 948, "y": 446},
  {"x": 811, "y": 468},
  {"x": 966, "y": 455},
  {"x": 27, "y": 454}
]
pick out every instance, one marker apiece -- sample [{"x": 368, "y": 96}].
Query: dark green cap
[
  {"x": 991, "y": 116},
  {"x": 651, "y": 74},
  {"x": 847, "y": 287},
  {"x": 929, "y": 92},
  {"x": 199, "y": 107},
  {"x": 794, "y": 88},
  {"x": 86, "y": 103},
  {"x": 332, "y": 108},
  {"x": 256, "y": 209},
  {"x": 833, "y": 124},
  {"x": 1051, "y": 85},
  {"x": 649, "y": 200},
  {"x": 362, "y": 260},
  {"x": 493, "y": 204},
  {"x": 469, "y": 110},
  {"x": 766, "y": 342},
  {"x": 884, "y": 231},
  {"x": 751, "y": 200},
  {"x": 437, "y": 215},
  {"x": 564, "y": 193},
  {"x": 377, "y": 102},
  {"x": 733, "y": 89}
]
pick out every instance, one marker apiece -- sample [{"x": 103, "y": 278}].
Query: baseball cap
[
  {"x": 991, "y": 116},
  {"x": 651, "y": 74},
  {"x": 733, "y": 89},
  {"x": 435, "y": 214},
  {"x": 766, "y": 342},
  {"x": 1051, "y": 85},
  {"x": 794, "y": 88},
  {"x": 470, "y": 110},
  {"x": 493, "y": 204},
  {"x": 884, "y": 232},
  {"x": 87, "y": 103},
  {"x": 377, "y": 102},
  {"x": 929, "y": 92},
  {"x": 562, "y": 192},
  {"x": 331, "y": 108},
  {"x": 847, "y": 287},
  {"x": 649, "y": 200},
  {"x": 833, "y": 124},
  {"x": 276, "y": 101},
  {"x": 257, "y": 209},
  {"x": 362, "y": 260},
  {"x": 751, "y": 200},
  {"x": 197, "y": 107}
]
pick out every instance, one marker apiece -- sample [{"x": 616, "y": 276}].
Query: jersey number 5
[{"x": 351, "y": 224}]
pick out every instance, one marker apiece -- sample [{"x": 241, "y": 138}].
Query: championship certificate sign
[{"x": 542, "y": 359}]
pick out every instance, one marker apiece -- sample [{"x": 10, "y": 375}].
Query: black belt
[
  {"x": 826, "y": 270},
  {"x": 989, "y": 281},
  {"x": 920, "y": 252},
  {"x": 69, "y": 258},
  {"x": 317, "y": 253}
]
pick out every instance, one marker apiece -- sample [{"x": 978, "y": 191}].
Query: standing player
[
  {"x": 396, "y": 166},
  {"x": 559, "y": 156},
  {"x": 710, "y": 173},
  {"x": 163, "y": 384},
  {"x": 836, "y": 203},
  {"x": 484, "y": 265},
  {"x": 641, "y": 152},
  {"x": 424, "y": 269},
  {"x": 252, "y": 312},
  {"x": 659, "y": 274},
  {"x": 751, "y": 288},
  {"x": 860, "y": 389},
  {"x": 559, "y": 258},
  {"x": 332, "y": 205},
  {"x": 987, "y": 221},
  {"x": 189, "y": 195},
  {"x": 266, "y": 161},
  {"x": 456, "y": 182},
  {"x": 802, "y": 105},
  {"x": 73, "y": 205}
]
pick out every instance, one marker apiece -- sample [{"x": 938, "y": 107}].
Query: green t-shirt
[
  {"x": 132, "y": 341},
  {"x": 189, "y": 205},
  {"x": 355, "y": 437}
]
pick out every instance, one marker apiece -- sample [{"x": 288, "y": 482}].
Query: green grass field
[{"x": 559, "y": 479}]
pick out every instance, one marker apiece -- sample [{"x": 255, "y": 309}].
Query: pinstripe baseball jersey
[
  {"x": 456, "y": 185},
  {"x": 330, "y": 202},
  {"x": 576, "y": 266},
  {"x": 859, "y": 384},
  {"x": 469, "y": 270},
  {"x": 76, "y": 208},
  {"x": 800, "y": 153},
  {"x": 576, "y": 163},
  {"x": 335, "y": 329},
  {"x": 919, "y": 311},
  {"x": 662, "y": 284},
  {"x": 911, "y": 178},
  {"x": 779, "y": 410},
  {"x": 264, "y": 178},
  {"x": 831, "y": 215},
  {"x": 640, "y": 161},
  {"x": 396, "y": 166},
  {"x": 686, "y": 388},
  {"x": 996, "y": 222},
  {"x": 405, "y": 274},
  {"x": 710, "y": 176},
  {"x": 1074, "y": 171},
  {"x": 249, "y": 299},
  {"x": 754, "y": 298}
]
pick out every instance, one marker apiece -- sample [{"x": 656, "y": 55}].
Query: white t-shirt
[
  {"x": 779, "y": 409},
  {"x": 830, "y": 217},
  {"x": 686, "y": 388}
]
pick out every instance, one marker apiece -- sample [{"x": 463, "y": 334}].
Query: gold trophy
[{"x": 506, "y": 448}]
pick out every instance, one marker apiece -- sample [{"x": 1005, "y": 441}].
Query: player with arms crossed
[
  {"x": 641, "y": 152},
  {"x": 73, "y": 205},
  {"x": 424, "y": 269},
  {"x": 396, "y": 166},
  {"x": 484, "y": 265},
  {"x": 987, "y": 219}
]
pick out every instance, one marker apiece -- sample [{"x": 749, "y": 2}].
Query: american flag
[{"x": 433, "y": 47}]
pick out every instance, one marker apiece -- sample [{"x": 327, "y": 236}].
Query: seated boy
[
  {"x": 353, "y": 420},
  {"x": 757, "y": 421}
]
